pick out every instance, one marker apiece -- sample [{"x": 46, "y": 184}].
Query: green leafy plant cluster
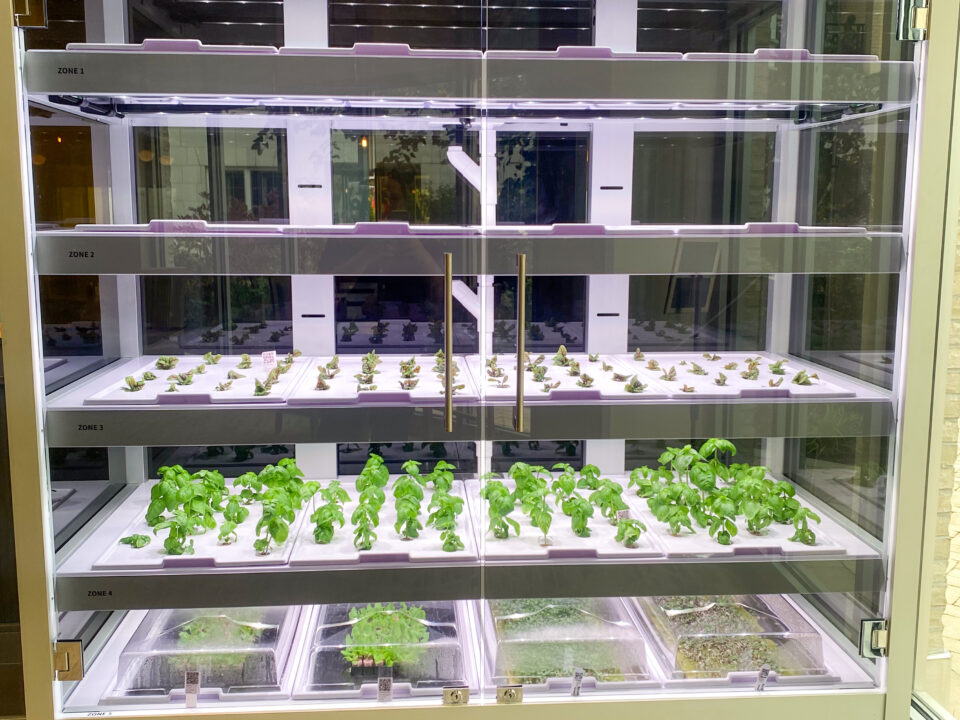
[
  {"x": 386, "y": 634},
  {"x": 366, "y": 517},
  {"x": 281, "y": 491},
  {"x": 578, "y": 495},
  {"x": 329, "y": 515},
  {"x": 183, "y": 504},
  {"x": 695, "y": 485}
]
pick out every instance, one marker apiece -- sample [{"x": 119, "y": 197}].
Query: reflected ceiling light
[{"x": 145, "y": 155}]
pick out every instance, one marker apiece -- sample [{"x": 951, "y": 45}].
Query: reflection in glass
[
  {"x": 399, "y": 315},
  {"x": 401, "y": 176},
  {"x": 703, "y": 178},
  {"x": 62, "y": 164},
  {"x": 196, "y": 315},
  {"x": 236, "y": 175},
  {"x": 556, "y": 313},
  {"x": 848, "y": 323},
  {"x": 351, "y": 457},
  {"x": 545, "y": 453},
  {"x": 542, "y": 178},
  {"x": 212, "y": 22},
  {"x": 698, "y": 312},
  {"x": 860, "y": 172},
  {"x": 708, "y": 26}
]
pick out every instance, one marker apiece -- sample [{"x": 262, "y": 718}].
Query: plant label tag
[
  {"x": 623, "y": 514},
  {"x": 385, "y": 685},
  {"x": 269, "y": 358},
  {"x": 191, "y": 687},
  {"x": 577, "y": 682},
  {"x": 762, "y": 678}
]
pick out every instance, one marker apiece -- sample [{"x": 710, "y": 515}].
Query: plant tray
[
  {"x": 238, "y": 651},
  {"x": 736, "y": 386},
  {"x": 128, "y": 519},
  {"x": 343, "y": 387},
  {"x": 604, "y": 386},
  {"x": 389, "y": 546},
  {"x": 540, "y": 643},
  {"x": 202, "y": 391},
  {"x": 441, "y": 656},
  {"x": 563, "y": 542},
  {"x": 726, "y": 639}
]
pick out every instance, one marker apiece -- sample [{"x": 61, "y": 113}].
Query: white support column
[
  {"x": 488, "y": 174},
  {"x": 305, "y": 23},
  {"x": 616, "y": 25},
  {"x": 310, "y": 170},
  {"x": 611, "y": 199},
  {"x": 608, "y": 455},
  {"x": 314, "y": 329},
  {"x": 317, "y": 460}
]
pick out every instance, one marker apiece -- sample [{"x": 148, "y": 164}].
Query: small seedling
[
  {"x": 531, "y": 364},
  {"x": 638, "y": 355},
  {"x": 540, "y": 373},
  {"x": 606, "y": 367},
  {"x": 167, "y": 362},
  {"x": 259, "y": 389},
  {"x": 777, "y": 367},
  {"x": 182, "y": 378},
  {"x": 688, "y": 389},
  {"x": 585, "y": 381},
  {"x": 245, "y": 362},
  {"x": 199, "y": 369},
  {"x": 211, "y": 359},
  {"x": 669, "y": 375},
  {"x": 133, "y": 385},
  {"x": 135, "y": 541},
  {"x": 408, "y": 494},
  {"x": 444, "y": 509},
  {"x": 172, "y": 388},
  {"x": 802, "y": 532},
  {"x": 617, "y": 377},
  {"x": 224, "y": 386},
  {"x": 711, "y": 358},
  {"x": 409, "y": 383},
  {"x": 608, "y": 498},
  {"x": 653, "y": 364},
  {"x": 629, "y": 531},
  {"x": 697, "y": 370},
  {"x": 321, "y": 384},
  {"x": 561, "y": 357},
  {"x": 802, "y": 378},
  {"x": 730, "y": 366},
  {"x": 547, "y": 387},
  {"x": 720, "y": 379},
  {"x": 330, "y": 514},
  {"x": 635, "y": 386},
  {"x": 234, "y": 375},
  {"x": 579, "y": 510},
  {"x": 775, "y": 383},
  {"x": 573, "y": 368},
  {"x": 751, "y": 374},
  {"x": 593, "y": 357},
  {"x": 148, "y": 376}
]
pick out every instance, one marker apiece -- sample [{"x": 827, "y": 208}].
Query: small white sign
[
  {"x": 191, "y": 686},
  {"x": 385, "y": 688},
  {"x": 269, "y": 358},
  {"x": 577, "y": 682}
]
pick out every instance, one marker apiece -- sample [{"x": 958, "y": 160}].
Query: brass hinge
[
  {"x": 68, "y": 660},
  {"x": 874, "y": 638},
  {"x": 913, "y": 20},
  {"x": 30, "y": 13}
]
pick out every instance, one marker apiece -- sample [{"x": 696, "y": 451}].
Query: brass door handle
[
  {"x": 448, "y": 340},
  {"x": 521, "y": 337}
]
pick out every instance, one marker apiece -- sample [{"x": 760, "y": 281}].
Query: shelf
[
  {"x": 99, "y": 574},
  {"x": 193, "y": 247},
  {"x": 74, "y": 419},
  {"x": 189, "y": 71}
]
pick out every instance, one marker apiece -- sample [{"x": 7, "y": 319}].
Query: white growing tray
[
  {"x": 208, "y": 552},
  {"x": 828, "y": 386},
  {"x": 343, "y": 388},
  {"x": 389, "y": 546},
  {"x": 203, "y": 389},
  {"x": 563, "y": 542},
  {"x": 604, "y": 387}
]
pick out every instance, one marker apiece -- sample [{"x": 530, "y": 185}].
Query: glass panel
[
  {"x": 213, "y": 22},
  {"x": 398, "y": 315},
  {"x": 351, "y": 457},
  {"x": 197, "y": 315},
  {"x": 232, "y": 175},
  {"x": 542, "y": 178},
  {"x": 707, "y": 26},
  {"x": 698, "y": 312},
  {"x": 702, "y": 178},
  {"x": 556, "y": 313},
  {"x": 400, "y": 176}
]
